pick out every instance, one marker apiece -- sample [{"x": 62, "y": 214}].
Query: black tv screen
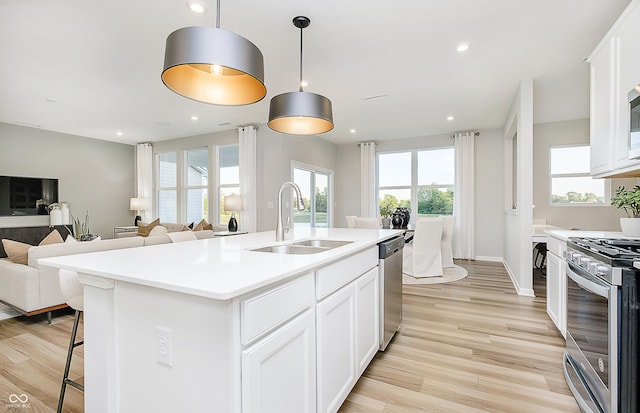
[{"x": 27, "y": 196}]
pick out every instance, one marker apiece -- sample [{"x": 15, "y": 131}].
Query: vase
[
  {"x": 66, "y": 214},
  {"x": 396, "y": 221},
  {"x": 55, "y": 215},
  {"x": 386, "y": 223},
  {"x": 630, "y": 226}
]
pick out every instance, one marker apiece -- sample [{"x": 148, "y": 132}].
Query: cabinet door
[
  {"x": 336, "y": 348},
  {"x": 602, "y": 109},
  {"x": 367, "y": 318},
  {"x": 554, "y": 274},
  {"x": 279, "y": 371}
]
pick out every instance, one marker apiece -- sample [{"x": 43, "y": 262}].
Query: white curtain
[
  {"x": 247, "y": 139},
  {"x": 464, "y": 204},
  {"x": 144, "y": 178},
  {"x": 368, "y": 179}
]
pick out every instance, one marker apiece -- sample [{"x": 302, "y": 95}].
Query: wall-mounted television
[{"x": 21, "y": 195}]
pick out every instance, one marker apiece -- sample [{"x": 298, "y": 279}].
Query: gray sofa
[{"x": 34, "y": 289}]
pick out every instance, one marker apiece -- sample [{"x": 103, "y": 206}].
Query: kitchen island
[{"x": 212, "y": 326}]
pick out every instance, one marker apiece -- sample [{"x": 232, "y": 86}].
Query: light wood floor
[{"x": 468, "y": 346}]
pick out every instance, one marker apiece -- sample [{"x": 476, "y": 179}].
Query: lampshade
[
  {"x": 233, "y": 203},
  {"x": 214, "y": 66},
  {"x": 300, "y": 113},
  {"x": 138, "y": 204}
]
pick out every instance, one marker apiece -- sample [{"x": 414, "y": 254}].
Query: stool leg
[{"x": 72, "y": 346}]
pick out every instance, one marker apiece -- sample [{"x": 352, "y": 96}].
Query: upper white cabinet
[{"x": 615, "y": 70}]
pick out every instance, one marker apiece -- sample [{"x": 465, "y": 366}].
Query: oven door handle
[{"x": 588, "y": 283}]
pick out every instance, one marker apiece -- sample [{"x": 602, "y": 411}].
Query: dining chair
[{"x": 423, "y": 256}]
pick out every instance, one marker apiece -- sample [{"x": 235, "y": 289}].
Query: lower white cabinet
[
  {"x": 347, "y": 338},
  {"x": 278, "y": 372},
  {"x": 557, "y": 283}
]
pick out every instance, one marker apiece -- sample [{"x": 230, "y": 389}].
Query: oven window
[{"x": 587, "y": 321}]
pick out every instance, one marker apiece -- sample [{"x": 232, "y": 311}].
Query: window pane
[
  {"x": 224, "y": 216},
  {"x": 394, "y": 169},
  {"x": 581, "y": 189},
  {"x": 197, "y": 167},
  {"x": 322, "y": 194},
  {"x": 197, "y": 205},
  {"x": 229, "y": 165},
  {"x": 167, "y": 169},
  {"x": 302, "y": 178},
  {"x": 167, "y": 206},
  {"x": 436, "y": 166},
  {"x": 570, "y": 160},
  {"x": 395, "y": 198},
  {"x": 432, "y": 201}
]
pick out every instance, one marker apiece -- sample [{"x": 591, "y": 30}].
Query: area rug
[
  {"x": 450, "y": 274},
  {"x": 7, "y": 312}
]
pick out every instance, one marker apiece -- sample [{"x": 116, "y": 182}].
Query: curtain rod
[
  {"x": 249, "y": 124},
  {"x": 475, "y": 133},
  {"x": 366, "y": 143}
]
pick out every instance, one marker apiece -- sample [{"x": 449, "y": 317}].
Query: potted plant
[
  {"x": 629, "y": 201},
  {"x": 385, "y": 214}
]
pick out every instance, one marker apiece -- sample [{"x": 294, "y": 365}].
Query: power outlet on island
[{"x": 163, "y": 345}]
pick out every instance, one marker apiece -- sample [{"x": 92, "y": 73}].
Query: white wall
[
  {"x": 94, "y": 175},
  {"x": 568, "y": 216},
  {"x": 518, "y": 228}
]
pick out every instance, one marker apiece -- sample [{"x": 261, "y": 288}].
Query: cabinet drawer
[
  {"x": 556, "y": 246},
  {"x": 263, "y": 312},
  {"x": 333, "y": 276}
]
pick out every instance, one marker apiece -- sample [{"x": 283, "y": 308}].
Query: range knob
[
  {"x": 601, "y": 270},
  {"x": 584, "y": 261},
  {"x": 575, "y": 257},
  {"x": 592, "y": 267}
]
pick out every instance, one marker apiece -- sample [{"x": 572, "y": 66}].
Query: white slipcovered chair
[
  {"x": 366, "y": 222},
  {"x": 423, "y": 256},
  {"x": 73, "y": 295},
  {"x": 351, "y": 221},
  {"x": 447, "y": 237}
]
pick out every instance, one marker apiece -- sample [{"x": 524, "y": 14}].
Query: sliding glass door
[{"x": 315, "y": 186}]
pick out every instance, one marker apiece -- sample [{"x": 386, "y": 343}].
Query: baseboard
[
  {"x": 528, "y": 292},
  {"x": 487, "y": 258}
]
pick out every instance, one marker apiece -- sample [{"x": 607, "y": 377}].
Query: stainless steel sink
[
  {"x": 322, "y": 243},
  {"x": 311, "y": 246}
]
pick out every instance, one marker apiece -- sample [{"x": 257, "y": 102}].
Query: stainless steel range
[{"x": 603, "y": 310}]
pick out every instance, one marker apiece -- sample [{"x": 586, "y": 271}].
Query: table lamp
[
  {"x": 138, "y": 204},
  {"x": 233, "y": 203}
]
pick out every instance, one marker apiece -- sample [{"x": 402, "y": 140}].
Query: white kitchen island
[{"x": 210, "y": 326}]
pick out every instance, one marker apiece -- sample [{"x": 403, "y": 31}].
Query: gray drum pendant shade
[
  {"x": 214, "y": 66},
  {"x": 300, "y": 113}
]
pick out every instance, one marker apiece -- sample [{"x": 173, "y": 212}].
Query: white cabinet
[
  {"x": 278, "y": 372},
  {"x": 557, "y": 283},
  {"x": 347, "y": 325}
]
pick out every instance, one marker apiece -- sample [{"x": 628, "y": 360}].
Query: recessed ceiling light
[
  {"x": 352, "y": 130},
  {"x": 450, "y": 118},
  {"x": 197, "y": 6},
  {"x": 462, "y": 47},
  {"x": 193, "y": 117},
  {"x": 119, "y": 133}
]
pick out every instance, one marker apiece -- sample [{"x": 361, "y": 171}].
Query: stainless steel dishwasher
[{"x": 390, "y": 272}]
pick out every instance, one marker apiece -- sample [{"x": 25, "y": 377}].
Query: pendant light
[
  {"x": 300, "y": 113},
  {"x": 212, "y": 65}
]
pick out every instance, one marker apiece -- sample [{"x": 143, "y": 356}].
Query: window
[
  {"x": 228, "y": 178},
  {"x": 422, "y": 180},
  {"x": 570, "y": 181},
  {"x": 167, "y": 187},
  {"x": 197, "y": 165},
  {"x": 317, "y": 203}
]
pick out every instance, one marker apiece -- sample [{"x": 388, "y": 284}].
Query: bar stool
[{"x": 72, "y": 293}]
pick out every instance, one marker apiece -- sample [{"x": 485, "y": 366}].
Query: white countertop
[
  {"x": 565, "y": 234},
  {"x": 220, "y": 268}
]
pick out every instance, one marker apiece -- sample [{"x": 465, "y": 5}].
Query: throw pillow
[
  {"x": 54, "y": 237},
  {"x": 145, "y": 229},
  {"x": 17, "y": 252},
  {"x": 158, "y": 230},
  {"x": 203, "y": 225}
]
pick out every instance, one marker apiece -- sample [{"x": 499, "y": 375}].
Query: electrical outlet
[{"x": 163, "y": 345}]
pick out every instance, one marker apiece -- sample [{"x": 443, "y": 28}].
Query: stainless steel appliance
[
  {"x": 390, "y": 270},
  {"x": 634, "y": 122},
  {"x": 603, "y": 314}
]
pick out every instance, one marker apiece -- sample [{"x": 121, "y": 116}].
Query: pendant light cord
[
  {"x": 218, "y": 14},
  {"x": 301, "y": 60}
]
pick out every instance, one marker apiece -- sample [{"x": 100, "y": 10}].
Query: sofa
[{"x": 34, "y": 289}]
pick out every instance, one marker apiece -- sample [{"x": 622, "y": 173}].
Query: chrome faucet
[{"x": 280, "y": 230}]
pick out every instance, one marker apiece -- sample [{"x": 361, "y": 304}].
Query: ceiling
[{"x": 92, "y": 68}]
